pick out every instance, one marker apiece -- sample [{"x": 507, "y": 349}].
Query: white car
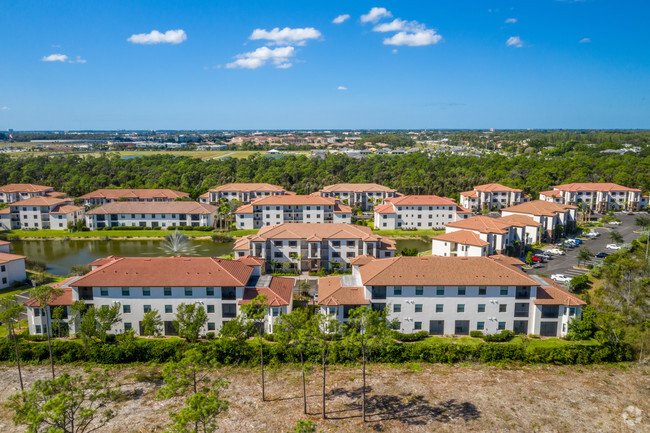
[
  {"x": 556, "y": 251},
  {"x": 560, "y": 278},
  {"x": 613, "y": 247},
  {"x": 593, "y": 234},
  {"x": 615, "y": 223}
]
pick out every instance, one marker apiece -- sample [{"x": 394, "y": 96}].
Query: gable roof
[
  {"x": 552, "y": 193},
  {"x": 247, "y": 187},
  {"x": 25, "y": 187},
  {"x": 64, "y": 299},
  {"x": 278, "y": 294},
  {"x": 539, "y": 208},
  {"x": 66, "y": 209},
  {"x": 594, "y": 186},
  {"x": 442, "y": 271},
  {"x": 462, "y": 237},
  {"x": 331, "y": 293},
  {"x": 293, "y": 200},
  {"x": 9, "y": 257},
  {"x": 41, "y": 201},
  {"x": 470, "y": 194},
  {"x": 486, "y": 224},
  {"x": 421, "y": 200},
  {"x": 136, "y": 193},
  {"x": 147, "y": 207},
  {"x": 492, "y": 187},
  {"x": 552, "y": 294},
  {"x": 357, "y": 187},
  {"x": 176, "y": 271}
]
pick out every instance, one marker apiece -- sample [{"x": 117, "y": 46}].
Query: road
[{"x": 564, "y": 264}]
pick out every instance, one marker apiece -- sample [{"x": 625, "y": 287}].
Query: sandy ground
[{"x": 405, "y": 398}]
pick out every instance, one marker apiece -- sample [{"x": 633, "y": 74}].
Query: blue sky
[{"x": 221, "y": 65}]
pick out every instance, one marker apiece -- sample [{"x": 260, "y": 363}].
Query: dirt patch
[{"x": 413, "y": 398}]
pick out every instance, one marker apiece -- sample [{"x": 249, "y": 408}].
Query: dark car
[{"x": 602, "y": 255}]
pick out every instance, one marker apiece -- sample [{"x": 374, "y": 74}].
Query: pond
[{"x": 61, "y": 255}]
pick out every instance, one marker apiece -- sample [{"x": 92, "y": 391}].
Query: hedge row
[{"x": 233, "y": 352}]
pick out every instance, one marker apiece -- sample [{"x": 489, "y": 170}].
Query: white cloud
[
  {"x": 341, "y": 19},
  {"x": 155, "y": 37},
  {"x": 585, "y": 40},
  {"x": 341, "y": 88},
  {"x": 514, "y": 41},
  {"x": 286, "y": 36},
  {"x": 55, "y": 58},
  {"x": 4, "y": 108},
  {"x": 375, "y": 15},
  {"x": 418, "y": 39},
  {"x": 77, "y": 60},
  {"x": 395, "y": 51},
  {"x": 255, "y": 59},
  {"x": 511, "y": 20},
  {"x": 394, "y": 26}
]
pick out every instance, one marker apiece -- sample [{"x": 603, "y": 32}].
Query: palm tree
[
  {"x": 45, "y": 295},
  {"x": 10, "y": 311},
  {"x": 616, "y": 237}
]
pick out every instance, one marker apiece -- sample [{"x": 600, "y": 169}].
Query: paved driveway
[{"x": 564, "y": 264}]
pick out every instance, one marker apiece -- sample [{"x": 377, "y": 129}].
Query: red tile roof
[
  {"x": 357, "y": 187},
  {"x": 553, "y": 193},
  {"x": 248, "y": 187},
  {"x": 421, "y": 200},
  {"x": 167, "y": 272},
  {"x": 539, "y": 208},
  {"x": 158, "y": 207},
  {"x": 278, "y": 294},
  {"x": 470, "y": 194},
  {"x": 331, "y": 293},
  {"x": 8, "y": 257},
  {"x": 462, "y": 237},
  {"x": 552, "y": 294},
  {"x": 492, "y": 187},
  {"x": 293, "y": 200},
  {"x": 64, "y": 299},
  {"x": 25, "y": 187},
  {"x": 140, "y": 194},
  {"x": 66, "y": 209},
  {"x": 42, "y": 201},
  {"x": 251, "y": 260},
  {"x": 596, "y": 186}
]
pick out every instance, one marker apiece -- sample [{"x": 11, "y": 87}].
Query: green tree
[
  {"x": 152, "y": 323},
  {"x": 235, "y": 328},
  {"x": 76, "y": 310},
  {"x": 529, "y": 258},
  {"x": 255, "y": 314},
  {"x": 409, "y": 251},
  {"x": 325, "y": 330},
  {"x": 583, "y": 328},
  {"x": 57, "y": 325},
  {"x": 616, "y": 237},
  {"x": 10, "y": 310},
  {"x": 366, "y": 329},
  {"x": 67, "y": 404},
  {"x": 106, "y": 317},
  {"x": 644, "y": 223},
  {"x": 295, "y": 330},
  {"x": 579, "y": 283},
  {"x": 190, "y": 319},
  {"x": 584, "y": 255},
  {"x": 45, "y": 295},
  {"x": 88, "y": 325}
]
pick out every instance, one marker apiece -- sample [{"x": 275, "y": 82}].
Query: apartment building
[
  {"x": 507, "y": 234},
  {"x": 491, "y": 196},
  {"x": 460, "y": 243},
  {"x": 280, "y": 209},
  {"x": 310, "y": 247},
  {"x": 12, "y": 267},
  {"x": 452, "y": 295},
  {"x": 163, "y": 283},
  {"x": 418, "y": 212},
  {"x": 151, "y": 214},
  {"x": 597, "y": 196},
  {"x": 21, "y": 191},
  {"x": 41, "y": 212},
  {"x": 109, "y": 195},
  {"x": 243, "y": 192},
  {"x": 551, "y": 216},
  {"x": 363, "y": 195}
]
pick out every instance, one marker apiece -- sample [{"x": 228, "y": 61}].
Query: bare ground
[{"x": 405, "y": 398}]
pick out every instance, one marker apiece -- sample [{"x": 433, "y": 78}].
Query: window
[
  {"x": 126, "y": 309},
  {"x": 480, "y": 326},
  {"x": 397, "y": 308},
  {"x": 572, "y": 311},
  {"x": 460, "y": 308},
  {"x": 439, "y": 308},
  {"x": 277, "y": 254},
  {"x": 481, "y": 308},
  {"x": 3, "y": 268},
  {"x": 209, "y": 291},
  {"x": 292, "y": 243},
  {"x": 210, "y": 308},
  {"x": 211, "y": 326},
  {"x": 482, "y": 290},
  {"x": 38, "y": 329},
  {"x": 331, "y": 311},
  {"x": 127, "y": 326},
  {"x": 397, "y": 291},
  {"x": 504, "y": 291},
  {"x": 126, "y": 291},
  {"x": 419, "y": 291},
  {"x": 336, "y": 243},
  {"x": 276, "y": 311},
  {"x": 169, "y": 309},
  {"x": 461, "y": 291},
  {"x": 147, "y": 308},
  {"x": 503, "y": 308},
  {"x": 502, "y": 326},
  {"x": 228, "y": 293},
  {"x": 188, "y": 291},
  {"x": 168, "y": 291},
  {"x": 418, "y": 308},
  {"x": 228, "y": 310},
  {"x": 146, "y": 291},
  {"x": 277, "y": 243},
  {"x": 440, "y": 291},
  {"x": 417, "y": 326},
  {"x": 336, "y": 254},
  {"x": 37, "y": 312},
  {"x": 103, "y": 292}
]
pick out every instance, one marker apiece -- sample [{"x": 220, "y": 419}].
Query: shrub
[
  {"x": 416, "y": 336},
  {"x": 210, "y": 335},
  {"x": 505, "y": 335},
  {"x": 221, "y": 239},
  {"x": 155, "y": 228},
  {"x": 476, "y": 334}
]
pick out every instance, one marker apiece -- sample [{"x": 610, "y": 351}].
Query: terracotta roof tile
[
  {"x": 293, "y": 200},
  {"x": 421, "y": 200},
  {"x": 140, "y": 194},
  {"x": 41, "y": 201},
  {"x": 331, "y": 292},
  {"x": 462, "y": 237},
  {"x": 539, "y": 207},
  {"x": 64, "y": 299},
  {"x": 66, "y": 209},
  {"x": 278, "y": 294},
  {"x": 552, "y": 294},
  {"x": 8, "y": 257},
  {"x": 146, "y": 207},
  {"x": 596, "y": 186},
  {"x": 357, "y": 187},
  {"x": 25, "y": 187},
  {"x": 248, "y": 187},
  {"x": 492, "y": 187}
]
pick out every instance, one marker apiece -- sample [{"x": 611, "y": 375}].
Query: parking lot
[{"x": 564, "y": 264}]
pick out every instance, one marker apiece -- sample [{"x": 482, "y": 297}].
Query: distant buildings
[
  {"x": 151, "y": 214},
  {"x": 303, "y": 247},
  {"x": 418, "y": 212},
  {"x": 555, "y": 219},
  {"x": 21, "y": 191},
  {"x": 491, "y": 196},
  {"x": 597, "y": 196},
  {"x": 364, "y": 195},
  {"x": 243, "y": 192},
  {"x": 109, "y": 195},
  {"x": 279, "y": 209}
]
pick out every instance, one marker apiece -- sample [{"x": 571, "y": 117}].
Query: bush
[
  {"x": 416, "y": 336},
  {"x": 221, "y": 239},
  {"x": 155, "y": 228},
  {"x": 146, "y": 228},
  {"x": 210, "y": 335},
  {"x": 35, "y": 265},
  {"x": 505, "y": 335},
  {"x": 476, "y": 334}
]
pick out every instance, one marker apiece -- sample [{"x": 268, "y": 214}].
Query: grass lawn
[
  {"x": 9, "y": 291},
  {"x": 408, "y": 233},
  {"x": 31, "y": 234},
  {"x": 22, "y": 326}
]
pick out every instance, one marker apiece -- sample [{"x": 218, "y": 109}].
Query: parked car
[
  {"x": 593, "y": 234},
  {"x": 556, "y": 251},
  {"x": 570, "y": 244},
  {"x": 576, "y": 241},
  {"x": 602, "y": 255},
  {"x": 615, "y": 223},
  {"x": 535, "y": 265},
  {"x": 545, "y": 256},
  {"x": 560, "y": 278},
  {"x": 537, "y": 259},
  {"x": 613, "y": 247}
]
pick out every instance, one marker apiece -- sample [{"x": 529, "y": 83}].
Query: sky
[{"x": 259, "y": 65}]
